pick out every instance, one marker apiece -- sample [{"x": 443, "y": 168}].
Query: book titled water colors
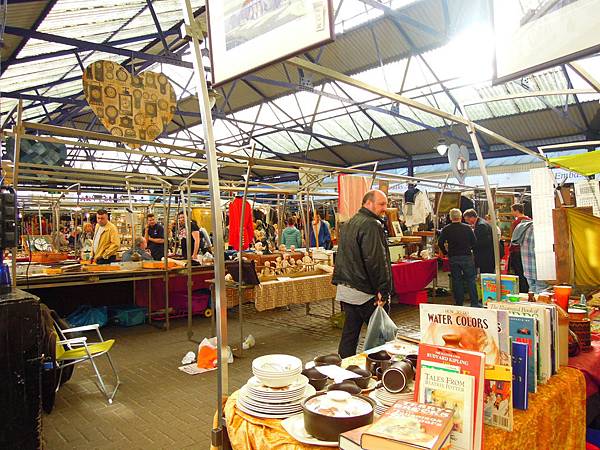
[
  {"x": 509, "y": 283},
  {"x": 524, "y": 330}
]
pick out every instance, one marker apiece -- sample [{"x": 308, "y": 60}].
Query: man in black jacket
[
  {"x": 483, "y": 251},
  {"x": 461, "y": 240},
  {"x": 363, "y": 272}
]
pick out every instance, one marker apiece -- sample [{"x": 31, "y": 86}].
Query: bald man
[{"x": 363, "y": 272}]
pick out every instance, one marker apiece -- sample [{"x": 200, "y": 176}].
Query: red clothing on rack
[{"x": 235, "y": 213}]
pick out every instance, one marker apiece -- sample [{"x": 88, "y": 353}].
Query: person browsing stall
[
  {"x": 515, "y": 260},
  {"x": 200, "y": 239},
  {"x": 461, "y": 241},
  {"x": 106, "y": 242},
  {"x": 483, "y": 251},
  {"x": 320, "y": 229},
  {"x": 155, "y": 237},
  {"x": 291, "y": 235},
  {"x": 140, "y": 248},
  {"x": 362, "y": 272}
]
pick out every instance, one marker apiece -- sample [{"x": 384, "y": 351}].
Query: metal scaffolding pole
[{"x": 194, "y": 31}]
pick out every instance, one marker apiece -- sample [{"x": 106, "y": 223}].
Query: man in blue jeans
[{"x": 461, "y": 241}]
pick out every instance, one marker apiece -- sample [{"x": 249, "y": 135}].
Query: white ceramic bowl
[
  {"x": 276, "y": 365},
  {"x": 277, "y": 382}
]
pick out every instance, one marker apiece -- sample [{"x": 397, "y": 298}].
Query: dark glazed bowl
[
  {"x": 349, "y": 386},
  {"x": 365, "y": 376},
  {"x": 315, "y": 378},
  {"x": 331, "y": 359},
  {"x": 328, "y": 428},
  {"x": 380, "y": 359},
  {"x": 413, "y": 360}
]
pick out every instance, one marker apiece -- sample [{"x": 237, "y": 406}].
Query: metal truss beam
[{"x": 93, "y": 46}]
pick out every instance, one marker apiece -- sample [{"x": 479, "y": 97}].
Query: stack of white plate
[
  {"x": 267, "y": 402},
  {"x": 277, "y": 370},
  {"x": 385, "y": 399}
]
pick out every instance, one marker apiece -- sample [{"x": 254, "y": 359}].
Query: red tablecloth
[
  {"x": 412, "y": 277},
  {"x": 445, "y": 264},
  {"x": 589, "y": 364}
]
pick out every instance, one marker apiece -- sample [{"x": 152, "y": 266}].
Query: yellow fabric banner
[
  {"x": 585, "y": 235},
  {"x": 585, "y": 163}
]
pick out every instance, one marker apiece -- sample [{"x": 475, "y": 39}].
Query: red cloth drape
[
  {"x": 235, "y": 213},
  {"x": 413, "y": 276}
]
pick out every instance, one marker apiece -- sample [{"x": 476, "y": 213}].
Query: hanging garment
[
  {"x": 351, "y": 191},
  {"x": 235, "y": 213},
  {"x": 417, "y": 214}
]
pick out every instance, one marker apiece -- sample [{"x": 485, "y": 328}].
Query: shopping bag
[
  {"x": 207, "y": 354},
  {"x": 381, "y": 329}
]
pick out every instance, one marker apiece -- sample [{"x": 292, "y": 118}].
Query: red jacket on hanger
[{"x": 235, "y": 212}]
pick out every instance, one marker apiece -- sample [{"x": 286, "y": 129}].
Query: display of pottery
[{"x": 133, "y": 106}]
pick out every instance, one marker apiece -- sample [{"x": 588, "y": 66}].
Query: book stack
[{"x": 406, "y": 425}]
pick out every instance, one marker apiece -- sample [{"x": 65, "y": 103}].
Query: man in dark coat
[
  {"x": 363, "y": 271},
  {"x": 484, "y": 246}
]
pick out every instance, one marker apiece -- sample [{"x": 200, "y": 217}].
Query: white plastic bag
[{"x": 381, "y": 329}]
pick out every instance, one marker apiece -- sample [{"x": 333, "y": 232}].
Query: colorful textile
[
  {"x": 587, "y": 362},
  {"x": 585, "y": 237},
  {"x": 585, "y": 163},
  {"x": 351, "y": 190},
  {"x": 413, "y": 276},
  {"x": 523, "y": 236},
  {"x": 555, "y": 420},
  {"x": 235, "y": 213}
]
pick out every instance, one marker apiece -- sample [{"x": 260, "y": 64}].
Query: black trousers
[
  {"x": 356, "y": 315},
  {"x": 110, "y": 259},
  {"x": 516, "y": 264}
]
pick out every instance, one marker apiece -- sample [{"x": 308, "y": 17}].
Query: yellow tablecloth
[{"x": 555, "y": 420}]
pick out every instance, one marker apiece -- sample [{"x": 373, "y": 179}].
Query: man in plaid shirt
[{"x": 523, "y": 236}]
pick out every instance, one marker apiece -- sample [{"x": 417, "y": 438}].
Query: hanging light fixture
[{"x": 441, "y": 147}]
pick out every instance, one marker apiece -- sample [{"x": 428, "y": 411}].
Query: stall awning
[{"x": 584, "y": 163}]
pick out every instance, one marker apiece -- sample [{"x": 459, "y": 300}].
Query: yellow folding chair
[{"x": 77, "y": 350}]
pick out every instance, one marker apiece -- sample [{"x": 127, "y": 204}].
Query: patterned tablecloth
[{"x": 555, "y": 420}]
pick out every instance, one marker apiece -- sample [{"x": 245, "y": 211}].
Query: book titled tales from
[
  {"x": 455, "y": 391},
  {"x": 409, "y": 425},
  {"x": 466, "y": 328}
]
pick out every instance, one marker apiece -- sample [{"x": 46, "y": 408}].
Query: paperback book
[
  {"x": 520, "y": 358},
  {"x": 409, "y": 425},
  {"x": 524, "y": 330},
  {"x": 455, "y": 391},
  {"x": 456, "y": 361},
  {"x": 466, "y": 328},
  {"x": 509, "y": 284},
  {"x": 498, "y": 409},
  {"x": 547, "y": 329}
]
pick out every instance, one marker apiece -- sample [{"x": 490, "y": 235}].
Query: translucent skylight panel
[{"x": 503, "y": 108}]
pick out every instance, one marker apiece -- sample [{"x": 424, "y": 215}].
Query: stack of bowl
[{"x": 277, "y": 370}]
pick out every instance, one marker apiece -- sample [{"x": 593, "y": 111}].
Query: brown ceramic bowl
[
  {"x": 349, "y": 386},
  {"x": 365, "y": 376},
  {"x": 413, "y": 360},
  {"x": 327, "y": 427},
  {"x": 315, "y": 378},
  {"x": 331, "y": 359},
  {"x": 378, "y": 360}
]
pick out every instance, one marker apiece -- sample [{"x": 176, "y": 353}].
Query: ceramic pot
[
  {"x": 378, "y": 360},
  {"x": 326, "y": 427},
  {"x": 315, "y": 378},
  {"x": 349, "y": 386},
  {"x": 396, "y": 378},
  {"x": 365, "y": 376},
  {"x": 326, "y": 360}
]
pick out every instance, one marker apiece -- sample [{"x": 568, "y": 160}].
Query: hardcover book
[
  {"x": 457, "y": 361},
  {"x": 350, "y": 440},
  {"x": 524, "y": 329},
  {"x": 409, "y": 425},
  {"x": 466, "y": 328},
  {"x": 520, "y": 357},
  {"x": 498, "y": 409},
  {"x": 509, "y": 284},
  {"x": 455, "y": 391},
  {"x": 547, "y": 330}
]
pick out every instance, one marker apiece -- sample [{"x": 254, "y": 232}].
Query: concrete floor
[{"x": 158, "y": 406}]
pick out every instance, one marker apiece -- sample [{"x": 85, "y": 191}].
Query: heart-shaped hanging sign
[
  {"x": 458, "y": 157},
  {"x": 138, "y": 106}
]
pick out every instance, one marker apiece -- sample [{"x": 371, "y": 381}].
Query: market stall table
[
  {"x": 555, "y": 420},
  {"x": 412, "y": 277}
]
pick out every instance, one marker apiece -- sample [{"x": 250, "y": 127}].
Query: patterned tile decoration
[{"x": 133, "y": 106}]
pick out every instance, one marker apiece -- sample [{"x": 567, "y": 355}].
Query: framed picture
[
  {"x": 504, "y": 203},
  {"x": 505, "y": 228},
  {"x": 531, "y": 35},
  {"x": 397, "y": 229},
  {"x": 246, "y": 35},
  {"x": 447, "y": 201}
]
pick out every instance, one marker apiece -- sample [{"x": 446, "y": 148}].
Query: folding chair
[{"x": 76, "y": 350}]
